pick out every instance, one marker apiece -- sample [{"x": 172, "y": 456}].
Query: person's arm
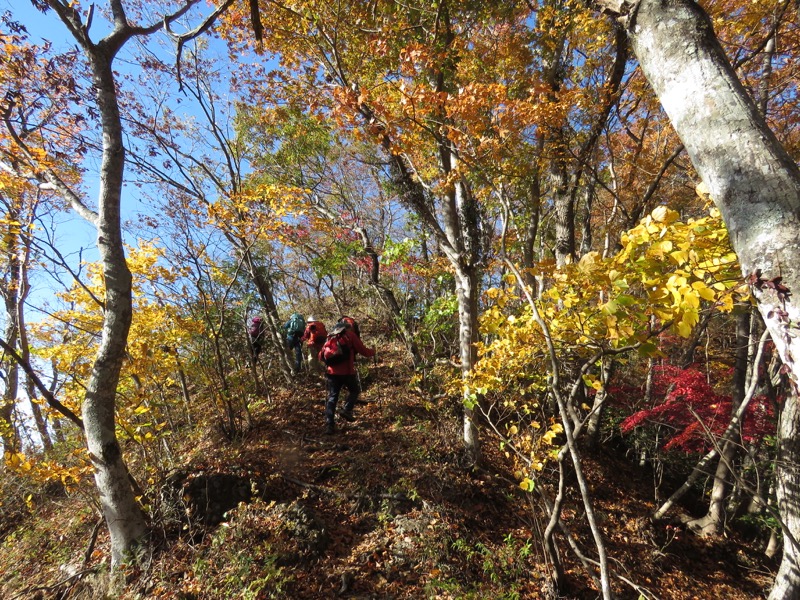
[{"x": 359, "y": 346}]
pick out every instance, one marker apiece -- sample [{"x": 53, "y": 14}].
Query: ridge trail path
[{"x": 385, "y": 508}]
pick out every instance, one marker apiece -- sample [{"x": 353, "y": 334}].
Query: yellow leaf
[
  {"x": 657, "y": 294},
  {"x": 726, "y": 303},
  {"x": 691, "y": 299},
  {"x": 679, "y": 256},
  {"x": 707, "y": 294},
  {"x": 662, "y": 214},
  {"x": 610, "y": 307}
]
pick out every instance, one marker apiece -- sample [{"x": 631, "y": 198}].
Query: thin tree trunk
[
  {"x": 714, "y": 520},
  {"x": 25, "y": 351},
  {"x": 586, "y": 222},
  {"x": 531, "y": 231},
  {"x": 570, "y": 448},
  {"x": 187, "y": 399},
  {"x": 704, "y": 464},
  {"x": 594, "y": 424},
  {"x": 10, "y": 292},
  {"x": 467, "y": 293},
  {"x": 274, "y": 324},
  {"x": 124, "y": 517},
  {"x": 11, "y": 438}
]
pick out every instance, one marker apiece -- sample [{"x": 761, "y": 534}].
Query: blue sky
[
  {"x": 74, "y": 235},
  {"x": 77, "y": 237}
]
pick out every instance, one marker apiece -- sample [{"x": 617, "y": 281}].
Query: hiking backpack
[
  {"x": 335, "y": 351},
  {"x": 352, "y": 323},
  {"x": 297, "y": 325},
  {"x": 257, "y": 329},
  {"x": 316, "y": 332}
]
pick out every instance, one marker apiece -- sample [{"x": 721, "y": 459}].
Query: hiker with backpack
[
  {"x": 352, "y": 323},
  {"x": 338, "y": 354},
  {"x": 257, "y": 332},
  {"x": 314, "y": 336},
  {"x": 294, "y": 328}
]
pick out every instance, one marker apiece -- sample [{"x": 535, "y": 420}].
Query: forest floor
[{"x": 383, "y": 509}]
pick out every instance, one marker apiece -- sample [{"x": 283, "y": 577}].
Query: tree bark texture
[
  {"x": 11, "y": 441},
  {"x": 123, "y": 515},
  {"x": 467, "y": 292},
  {"x": 755, "y": 184},
  {"x": 748, "y": 174},
  {"x": 787, "y": 581}
]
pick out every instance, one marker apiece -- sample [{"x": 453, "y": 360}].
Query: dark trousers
[
  {"x": 335, "y": 385},
  {"x": 294, "y": 343}
]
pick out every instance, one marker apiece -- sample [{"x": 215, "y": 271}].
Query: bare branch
[
  {"x": 197, "y": 31},
  {"x": 46, "y": 393},
  {"x": 48, "y": 175}
]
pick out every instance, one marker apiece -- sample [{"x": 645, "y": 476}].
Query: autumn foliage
[
  {"x": 694, "y": 414},
  {"x": 491, "y": 188}
]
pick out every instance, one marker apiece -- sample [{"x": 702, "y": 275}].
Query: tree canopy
[{"x": 569, "y": 230}]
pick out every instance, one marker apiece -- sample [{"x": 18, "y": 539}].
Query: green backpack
[{"x": 297, "y": 325}]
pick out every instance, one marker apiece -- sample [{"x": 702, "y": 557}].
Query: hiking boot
[
  {"x": 347, "y": 416},
  {"x": 330, "y": 429}
]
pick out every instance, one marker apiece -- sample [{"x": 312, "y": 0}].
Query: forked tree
[{"x": 124, "y": 517}]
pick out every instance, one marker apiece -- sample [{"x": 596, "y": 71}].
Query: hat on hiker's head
[
  {"x": 311, "y": 319},
  {"x": 339, "y": 328}
]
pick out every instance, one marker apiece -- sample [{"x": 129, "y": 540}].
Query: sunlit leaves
[
  {"x": 598, "y": 305},
  {"x": 159, "y": 332},
  {"x": 702, "y": 265},
  {"x": 72, "y": 468}
]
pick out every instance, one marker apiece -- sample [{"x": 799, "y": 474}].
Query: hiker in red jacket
[
  {"x": 314, "y": 336},
  {"x": 338, "y": 354}
]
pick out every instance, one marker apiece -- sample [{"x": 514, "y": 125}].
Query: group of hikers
[{"x": 330, "y": 353}]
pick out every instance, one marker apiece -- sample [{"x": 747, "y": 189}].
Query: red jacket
[
  {"x": 348, "y": 367},
  {"x": 315, "y": 335}
]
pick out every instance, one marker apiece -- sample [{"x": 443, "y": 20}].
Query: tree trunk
[
  {"x": 390, "y": 301},
  {"x": 24, "y": 346},
  {"x": 586, "y": 222},
  {"x": 754, "y": 183},
  {"x": 271, "y": 312},
  {"x": 564, "y": 203},
  {"x": 11, "y": 439},
  {"x": 124, "y": 517},
  {"x": 530, "y": 234},
  {"x": 787, "y": 581},
  {"x": 714, "y": 520},
  {"x": 595, "y": 421},
  {"x": 467, "y": 293}
]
